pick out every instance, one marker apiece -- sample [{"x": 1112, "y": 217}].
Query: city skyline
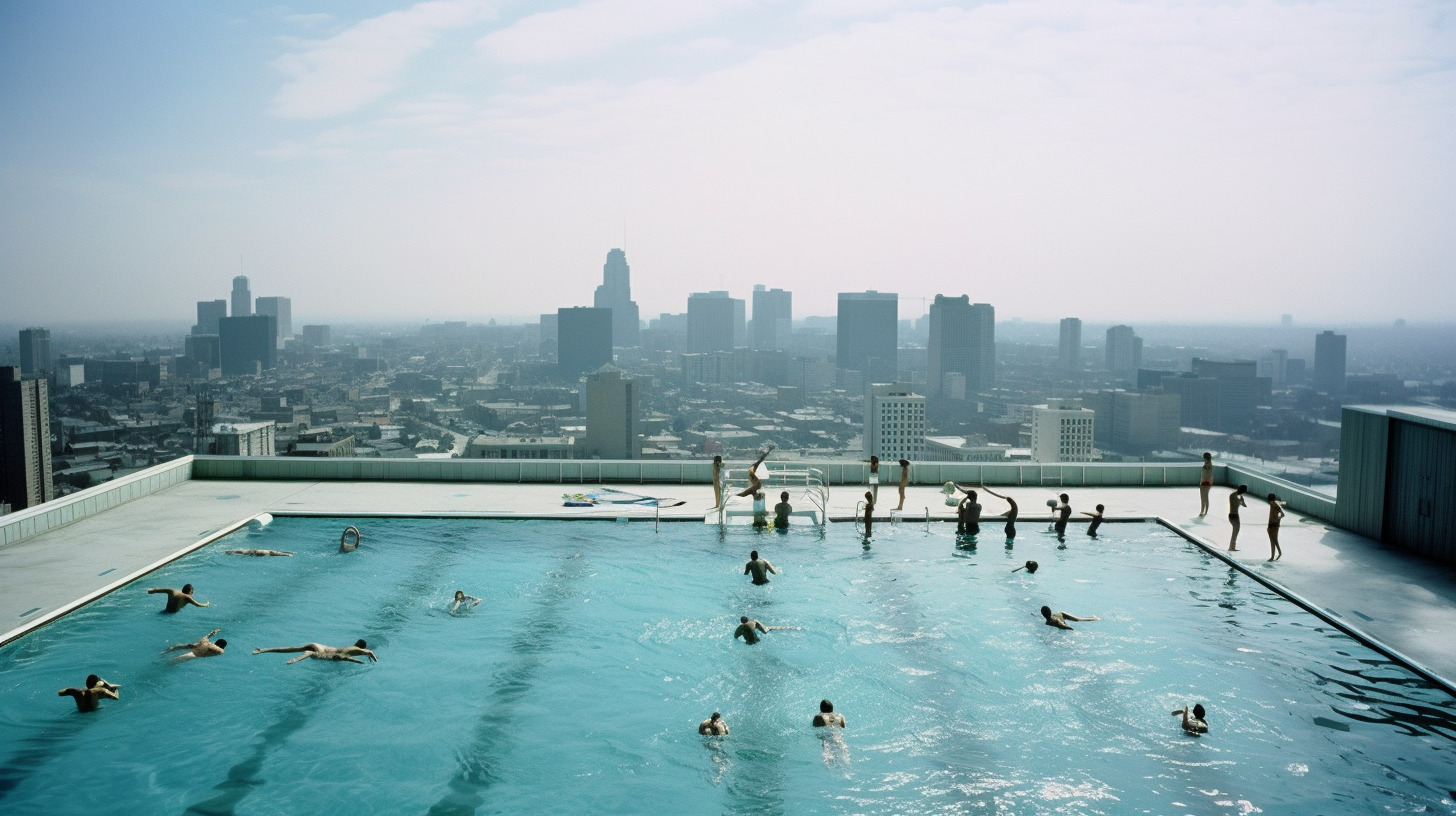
[{"x": 444, "y": 160}]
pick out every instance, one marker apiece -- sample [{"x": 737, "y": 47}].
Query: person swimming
[
  {"x": 461, "y": 600},
  {"x": 714, "y": 726},
  {"x": 748, "y": 629},
  {"x": 89, "y": 697},
  {"x": 1195, "y": 724},
  {"x": 177, "y": 598},
  {"x": 256, "y": 552},
  {"x": 204, "y": 647},
  {"x": 1030, "y": 567},
  {"x": 759, "y": 568},
  {"x": 1059, "y": 619},
  {"x": 318, "y": 651}
]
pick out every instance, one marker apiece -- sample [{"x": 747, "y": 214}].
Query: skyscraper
[
  {"x": 1061, "y": 431},
  {"x": 894, "y": 422},
  {"x": 1329, "y": 363},
  {"x": 712, "y": 320},
  {"x": 35, "y": 351},
  {"x": 868, "y": 334},
  {"x": 1069, "y": 349},
  {"x": 242, "y": 297},
  {"x": 1124, "y": 350},
  {"x": 25, "y": 440},
  {"x": 247, "y": 344},
  {"x": 281, "y": 309},
  {"x": 613, "y": 411},
  {"x": 615, "y": 293},
  {"x": 962, "y": 341},
  {"x": 583, "y": 340},
  {"x": 773, "y": 319},
  {"x": 208, "y": 313}
]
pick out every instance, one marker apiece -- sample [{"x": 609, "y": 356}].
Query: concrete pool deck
[{"x": 1403, "y": 601}]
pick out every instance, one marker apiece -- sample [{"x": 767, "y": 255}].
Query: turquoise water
[{"x": 576, "y": 687}]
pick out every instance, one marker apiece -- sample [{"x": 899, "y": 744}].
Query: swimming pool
[{"x": 577, "y": 685}]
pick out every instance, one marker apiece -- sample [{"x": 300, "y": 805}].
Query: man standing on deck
[{"x": 759, "y": 568}]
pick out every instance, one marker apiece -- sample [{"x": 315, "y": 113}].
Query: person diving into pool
[
  {"x": 759, "y": 568},
  {"x": 177, "y": 598},
  {"x": 204, "y": 647},
  {"x": 89, "y": 698},
  {"x": 755, "y": 484},
  {"x": 1059, "y": 619},
  {"x": 749, "y": 628},
  {"x": 318, "y": 651}
]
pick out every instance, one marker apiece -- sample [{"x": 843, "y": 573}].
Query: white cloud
[
  {"x": 595, "y": 27},
  {"x": 353, "y": 68}
]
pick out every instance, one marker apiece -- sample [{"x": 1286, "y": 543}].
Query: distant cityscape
[{"x": 728, "y": 376}]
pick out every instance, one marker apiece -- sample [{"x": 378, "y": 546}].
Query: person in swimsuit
[
  {"x": 1096, "y": 521},
  {"x": 1236, "y": 500},
  {"x": 1059, "y": 619},
  {"x": 256, "y": 552},
  {"x": 1195, "y": 724},
  {"x": 462, "y": 600},
  {"x": 204, "y": 647},
  {"x": 1205, "y": 483},
  {"x": 760, "y": 511},
  {"x": 1276, "y": 513},
  {"x": 904, "y": 481},
  {"x": 89, "y": 698},
  {"x": 748, "y": 629},
  {"x": 828, "y": 717},
  {"x": 714, "y": 726},
  {"x": 869, "y": 513},
  {"x": 1011, "y": 512},
  {"x": 782, "y": 510},
  {"x": 1063, "y": 512},
  {"x": 177, "y": 598},
  {"x": 755, "y": 484},
  {"x": 318, "y": 651},
  {"x": 717, "y": 482},
  {"x": 759, "y": 568},
  {"x": 874, "y": 483},
  {"x": 968, "y": 515}
]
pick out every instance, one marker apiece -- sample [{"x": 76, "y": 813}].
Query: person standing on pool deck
[
  {"x": 1195, "y": 724},
  {"x": 1011, "y": 512},
  {"x": 874, "y": 484},
  {"x": 177, "y": 598},
  {"x": 1205, "y": 483},
  {"x": 717, "y": 482},
  {"x": 1063, "y": 512},
  {"x": 869, "y": 513},
  {"x": 759, "y": 568},
  {"x": 782, "y": 511},
  {"x": 968, "y": 515},
  {"x": 1276, "y": 512},
  {"x": 89, "y": 698},
  {"x": 204, "y": 647},
  {"x": 714, "y": 726},
  {"x": 318, "y": 651},
  {"x": 1096, "y": 521},
  {"x": 755, "y": 485},
  {"x": 748, "y": 629},
  {"x": 1059, "y": 619},
  {"x": 904, "y": 482},
  {"x": 1236, "y": 500}
]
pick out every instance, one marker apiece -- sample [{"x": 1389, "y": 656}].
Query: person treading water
[
  {"x": 462, "y": 600},
  {"x": 89, "y": 698},
  {"x": 714, "y": 726},
  {"x": 759, "y": 568},
  {"x": 748, "y": 629},
  {"x": 1195, "y": 724},
  {"x": 318, "y": 651}
]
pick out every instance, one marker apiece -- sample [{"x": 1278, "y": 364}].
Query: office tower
[
  {"x": 583, "y": 340},
  {"x": 247, "y": 345},
  {"x": 712, "y": 321},
  {"x": 549, "y": 330},
  {"x": 613, "y": 413},
  {"x": 868, "y": 325},
  {"x": 962, "y": 346},
  {"x": 1124, "y": 350},
  {"x": 1069, "y": 349},
  {"x": 318, "y": 336},
  {"x": 1061, "y": 431},
  {"x": 242, "y": 297},
  {"x": 1240, "y": 390},
  {"x": 615, "y": 293},
  {"x": 894, "y": 422},
  {"x": 1275, "y": 367},
  {"x": 204, "y": 349},
  {"x": 773, "y": 318},
  {"x": 208, "y": 313},
  {"x": 1329, "y": 363},
  {"x": 35, "y": 352},
  {"x": 1134, "y": 421},
  {"x": 25, "y": 440},
  {"x": 281, "y": 309}
]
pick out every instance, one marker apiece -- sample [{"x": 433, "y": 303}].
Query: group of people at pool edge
[{"x": 1235, "y": 501}]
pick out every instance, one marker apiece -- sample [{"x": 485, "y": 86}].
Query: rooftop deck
[{"x": 1404, "y": 602}]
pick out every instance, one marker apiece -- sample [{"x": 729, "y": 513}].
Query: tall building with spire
[
  {"x": 615, "y": 293},
  {"x": 242, "y": 297}
]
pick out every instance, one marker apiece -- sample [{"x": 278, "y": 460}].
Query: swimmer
[
  {"x": 968, "y": 515},
  {"x": 89, "y": 698},
  {"x": 256, "y": 552},
  {"x": 1205, "y": 483},
  {"x": 461, "y": 600},
  {"x": 760, "y": 511},
  {"x": 1236, "y": 500},
  {"x": 749, "y": 628},
  {"x": 869, "y": 513},
  {"x": 177, "y": 598},
  {"x": 904, "y": 482},
  {"x": 755, "y": 484},
  {"x": 1030, "y": 567},
  {"x": 1011, "y": 512},
  {"x": 759, "y": 568},
  {"x": 1059, "y": 619},
  {"x": 1195, "y": 724},
  {"x": 827, "y": 716},
  {"x": 347, "y": 544},
  {"x": 714, "y": 726},
  {"x": 1096, "y": 521},
  {"x": 204, "y": 647},
  {"x": 782, "y": 510},
  {"x": 1063, "y": 512},
  {"x": 318, "y": 651}
]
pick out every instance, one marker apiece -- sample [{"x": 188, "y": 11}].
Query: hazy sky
[{"x": 1157, "y": 161}]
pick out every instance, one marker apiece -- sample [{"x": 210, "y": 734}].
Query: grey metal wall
[
  {"x": 1420, "y": 496},
  {"x": 1360, "y": 502}
]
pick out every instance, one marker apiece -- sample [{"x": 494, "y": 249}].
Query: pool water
[{"x": 577, "y": 686}]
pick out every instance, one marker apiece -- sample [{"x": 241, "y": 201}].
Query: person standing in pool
[
  {"x": 904, "y": 482},
  {"x": 1196, "y": 724},
  {"x": 1059, "y": 619},
  {"x": 714, "y": 726},
  {"x": 204, "y": 647},
  {"x": 1236, "y": 500},
  {"x": 759, "y": 568},
  {"x": 318, "y": 651},
  {"x": 177, "y": 598},
  {"x": 1205, "y": 483},
  {"x": 869, "y": 513},
  {"x": 1063, "y": 512},
  {"x": 1096, "y": 521},
  {"x": 1276, "y": 513},
  {"x": 89, "y": 698},
  {"x": 748, "y": 629},
  {"x": 782, "y": 510},
  {"x": 1011, "y": 512},
  {"x": 968, "y": 515}
]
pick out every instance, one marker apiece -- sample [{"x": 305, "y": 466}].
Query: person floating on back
[
  {"x": 204, "y": 647},
  {"x": 177, "y": 598},
  {"x": 1195, "y": 724},
  {"x": 714, "y": 726},
  {"x": 1059, "y": 619},
  {"x": 318, "y": 651},
  {"x": 89, "y": 698}
]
